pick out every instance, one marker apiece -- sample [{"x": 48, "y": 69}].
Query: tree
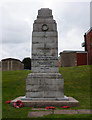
[{"x": 27, "y": 63}]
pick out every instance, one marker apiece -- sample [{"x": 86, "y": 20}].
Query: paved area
[
  {"x": 38, "y": 109},
  {"x": 38, "y": 113},
  {"x": 42, "y": 113}
]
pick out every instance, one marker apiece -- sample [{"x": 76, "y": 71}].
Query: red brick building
[
  {"x": 73, "y": 58},
  {"x": 77, "y": 58},
  {"x": 81, "y": 58},
  {"x": 88, "y": 45}
]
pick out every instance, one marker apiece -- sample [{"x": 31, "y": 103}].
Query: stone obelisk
[
  {"x": 45, "y": 85},
  {"x": 45, "y": 82}
]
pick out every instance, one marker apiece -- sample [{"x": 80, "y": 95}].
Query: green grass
[
  {"x": 77, "y": 85},
  {"x": 14, "y": 83}
]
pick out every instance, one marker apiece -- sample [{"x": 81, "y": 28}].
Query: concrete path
[{"x": 42, "y": 113}]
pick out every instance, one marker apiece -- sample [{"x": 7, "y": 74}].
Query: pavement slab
[
  {"x": 38, "y": 109},
  {"x": 65, "y": 112},
  {"x": 42, "y": 113},
  {"x": 38, "y": 113},
  {"x": 84, "y": 111}
]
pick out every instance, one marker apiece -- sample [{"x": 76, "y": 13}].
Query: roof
[
  {"x": 71, "y": 51},
  {"x": 10, "y": 59},
  {"x": 89, "y": 30}
]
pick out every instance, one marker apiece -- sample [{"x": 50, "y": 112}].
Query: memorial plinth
[{"x": 45, "y": 84}]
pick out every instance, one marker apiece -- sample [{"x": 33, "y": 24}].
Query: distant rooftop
[
  {"x": 72, "y": 51},
  {"x": 11, "y": 59}
]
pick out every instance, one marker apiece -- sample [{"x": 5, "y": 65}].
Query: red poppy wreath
[{"x": 18, "y": 104}]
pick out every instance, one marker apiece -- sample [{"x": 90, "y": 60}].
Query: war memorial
[{"x": 45, "y": 85}]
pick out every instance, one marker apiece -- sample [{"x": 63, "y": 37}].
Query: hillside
[{"x": 76, "y": 84}]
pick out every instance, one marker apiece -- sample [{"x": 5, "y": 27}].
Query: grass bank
[{"x": 77, "y": 85}]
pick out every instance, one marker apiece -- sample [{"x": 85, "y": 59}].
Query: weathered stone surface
[
  {"x": 50, "y": 63},
  {"x": 45, "y": 81},
  {"x": 43, "y": 69},
  {"x": 44, "y": 43},
  {"x": 36, "y": 88},
  {"x": 39, "y": 114},
  {"x": 45, "y": 34},
  {"x": 44, "y": 13},
  {"x": 42, "y": 113},
  {"x": 44, "y": 102},
  {"x": 44, "y": 85}
]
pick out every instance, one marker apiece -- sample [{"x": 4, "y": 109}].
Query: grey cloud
[
  {"x": 74, "y": 15},
  {"x": 18, "y": 18},
  {"x": 15, "y": 30},
  {"x": 15, "y": 34},
  {"x": 19, "y": 51},
  {"x": 91, "y": 14},
  {"x": 15, "y": 18}
]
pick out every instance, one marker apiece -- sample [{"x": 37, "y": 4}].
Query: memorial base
[
  {"x": 44, "y": 103},
  {"x": 45, "y": 89},
  {"x": 44, "y": 85}
]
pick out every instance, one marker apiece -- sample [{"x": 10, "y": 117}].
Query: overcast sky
[{"x": 16, "y": 23}]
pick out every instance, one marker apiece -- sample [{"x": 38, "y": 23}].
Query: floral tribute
[
  {"x": 65, "y": 106},
  {"x": 50, "y": 108},
  {"x": 9, "y": 101},
  {"x": 18, "y": 104}
]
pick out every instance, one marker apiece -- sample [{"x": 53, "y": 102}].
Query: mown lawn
[
  {"x": 13, "y": 85},
  {"x": 77, "y": 85}
]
